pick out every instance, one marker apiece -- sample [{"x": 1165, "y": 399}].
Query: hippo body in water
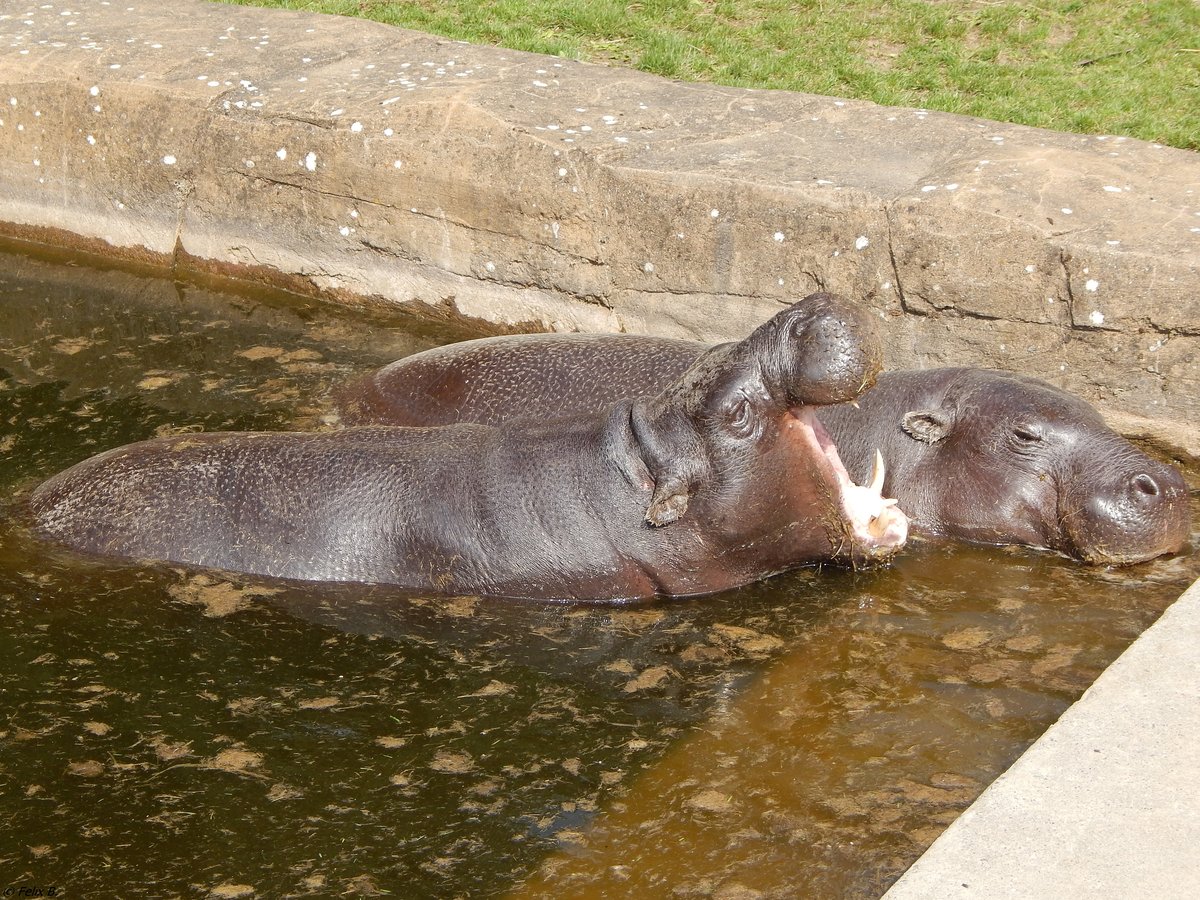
[
  {"x": 724, "y": 476},
  {"x": 972, "y": 454}
]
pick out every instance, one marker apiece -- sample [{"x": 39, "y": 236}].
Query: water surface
[{"x": 170, "y": 732}]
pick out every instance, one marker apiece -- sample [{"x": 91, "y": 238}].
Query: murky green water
[{"x": 169, "y": 733}]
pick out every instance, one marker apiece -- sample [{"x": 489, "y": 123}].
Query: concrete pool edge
[
  {"x": 1104, "y": 803},
  {"x": 529, "y": 191}
]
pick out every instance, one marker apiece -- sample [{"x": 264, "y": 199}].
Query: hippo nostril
[{"x": 1145, "y": 484}]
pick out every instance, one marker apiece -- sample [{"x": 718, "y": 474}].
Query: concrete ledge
[
  {"x": 1106, "y": 804},
  {"x": 381, "y": 165}
]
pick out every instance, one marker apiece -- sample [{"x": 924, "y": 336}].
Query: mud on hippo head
[
  {"x": 1021, "y": 460},
  {"x": 737, "y": 431}
]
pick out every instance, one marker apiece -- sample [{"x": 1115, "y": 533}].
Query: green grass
[{"x": 1127, "y": 67}]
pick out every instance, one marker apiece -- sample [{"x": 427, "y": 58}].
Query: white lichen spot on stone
[
  {"x": 1066, "y": 210},
  {"x": 648, "y": 267},
  {"x": 1031, "y": 269},
  {"x": 344, "y": 231},
  {"x": 1092, "y": 285},
  {"x": 1112, "y": 189},
  {"x": 716, "y": 213},
  {"x": 952, "y": 187},
  {"x": 387, "y": 132},
  {"x": 310, "y": 161},
  {"x": 169, "y": 160},
  {"x": 397, "y": 165},
  {"x": 927, "y": 188},
  {"x": 91, "y": 140},
  {"x": 862, "y": 242},
  {"x": 94, "y": 90},
  {"x": 1097, "y": 317},
  {"x": 540, "y": 84},
  {"x": 562, "y": 173},
  {"x": 356, "y": 127},
  {"x": 490, "y": 266},
  {"x": 779, "y": 236},
  {"x": 281, "y": 153},
  {"x": 248, "y": 163}
]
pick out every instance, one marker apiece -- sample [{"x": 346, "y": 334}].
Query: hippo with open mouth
[{"x": 721, "y": 477}]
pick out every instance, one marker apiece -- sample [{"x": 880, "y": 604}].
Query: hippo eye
[
  {"x": 741, "y": 418},
  {"x": 1027, "y": 434}
]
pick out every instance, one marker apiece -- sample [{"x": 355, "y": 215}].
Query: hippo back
[{"x": 524, "y": 376}]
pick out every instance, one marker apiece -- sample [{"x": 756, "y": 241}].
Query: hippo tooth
[{"x": 878, "y": 473}]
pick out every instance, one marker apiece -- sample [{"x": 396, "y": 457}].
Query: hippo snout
[
  {"x": 830, "y": 351},
  {"x": 1145, "y": 515}
]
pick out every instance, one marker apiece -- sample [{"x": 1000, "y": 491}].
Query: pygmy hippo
[
  {"x": 721, "y": 477},
  {"x": 973, "y": 454}
]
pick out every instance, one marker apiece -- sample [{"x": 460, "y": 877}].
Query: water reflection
[{"x": 177, "y": 732}]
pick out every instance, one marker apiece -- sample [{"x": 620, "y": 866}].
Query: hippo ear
[
  {"x": 669, "y": 501},
  {"x": 927, "y": 425},
  {"x": 669, "y": 457}
]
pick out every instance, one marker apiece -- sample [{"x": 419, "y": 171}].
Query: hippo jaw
[{"x": 873, "y": 528}]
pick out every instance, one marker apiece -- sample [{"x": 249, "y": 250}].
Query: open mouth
[{"x": 874, "y": 526}]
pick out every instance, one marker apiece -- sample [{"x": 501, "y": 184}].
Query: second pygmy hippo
[{"x": 973, "y": 454}]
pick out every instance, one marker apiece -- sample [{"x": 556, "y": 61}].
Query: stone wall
[{"x": 383, "y": 166}]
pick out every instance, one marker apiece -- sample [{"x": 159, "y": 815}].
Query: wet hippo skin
[
  {"x": 972, "y": 454},
  {"x": 722, "y": 477}
]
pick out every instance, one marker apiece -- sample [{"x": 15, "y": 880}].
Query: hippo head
[
  {"x": 1010, "y": 459},
  {"x": 734, "y": 442}
]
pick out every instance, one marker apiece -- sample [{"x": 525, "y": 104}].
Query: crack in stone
[
  {"x": 283, "y": 182},
  {"x": 888, "y": 210},
  {"x": 1075, "y": 325},
  {"x": 185, "y": 188},
  {"x": 817, "y": 278}
]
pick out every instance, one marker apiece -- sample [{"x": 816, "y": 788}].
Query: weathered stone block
[{"x": 384, "y": 166}]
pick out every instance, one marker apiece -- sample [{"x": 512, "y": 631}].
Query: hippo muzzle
[{"x": 1141, "y": 511}]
